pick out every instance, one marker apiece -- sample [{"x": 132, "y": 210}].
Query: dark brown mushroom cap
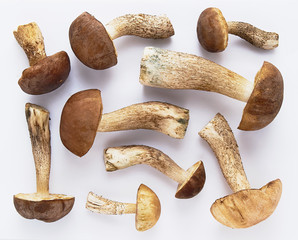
[
  {"x": 49, "y": 209},
  {"x": 194, "y": 183},
  {"x": 266, "y": 99},
  {"x": 247, "y": 207},
  {"x": 46, "y": 75},
  {"x": 79, "y": 121},
  {"x": 91, "y": 43},
  {"x": 212, "y": 30}
]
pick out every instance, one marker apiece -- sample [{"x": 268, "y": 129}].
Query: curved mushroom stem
[
  {"x": 163, "y": 117},
  {"x": 220, "y": 137},
  {"x": 167, "y": 69},
  {"x": 102, "y": 205},
  {"x": 142, "y": 25},
  {"x": 255, "y": 36},
  {"x": 38, "y": 125},
  {"x": 31, "y": 40}
]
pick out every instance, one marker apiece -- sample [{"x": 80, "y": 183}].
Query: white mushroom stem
[
  {"x": 142, "y": 25},
  {"x": 163, "y": 117},
  {"x": 220, "y": 137},
  {"x": 102, "y": 205},
  {"x": 169, "y": 69}
]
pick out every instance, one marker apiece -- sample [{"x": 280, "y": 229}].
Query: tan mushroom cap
[
  {"x": 48, "y": 209},
  {"x": 79, "y": 121},
  {"x": 148, "y": 208},
  {"x": 247, "y": 207},
  {"x": 266, "y": 99},
  {"x": 212, "y": 30},
  {"x": 91, "y": 43},
  {"x": 194, "y": 182}
]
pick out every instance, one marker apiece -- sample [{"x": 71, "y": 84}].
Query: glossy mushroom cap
[
  {"x": 266, "y": 99},
  {"x": 247, "y": 207},
  {"x": 79, "y": 121},
  {"x": 47, "y": 209},
  {"x": 148, "y": 208},
  {"x": 91, "y": 43},
  {"x": 194, "y": 183},
  {"x": 212, "y": 30},
  {"x": 46, "y": 75}
]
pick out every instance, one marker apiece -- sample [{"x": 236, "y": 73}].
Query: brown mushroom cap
[
  {"x": 194, "y": 183},
  {"x": 148, "y": 208},
  {"x": 46, "y": 75},
  {"x": 79, "y": 121},
  {"x": 212, "y": 30},
  {"x": 266, "y": 99},
  {"x": 91, "y": 43},
  {"x": 47, "y": 209},
  {"x": 247, "y": 207}
]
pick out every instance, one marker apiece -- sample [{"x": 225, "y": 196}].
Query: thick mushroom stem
[
  {"x": 255, "y": 36},
  {"x": 31, "y": 40},
  {"x": 142, "y": 25}
]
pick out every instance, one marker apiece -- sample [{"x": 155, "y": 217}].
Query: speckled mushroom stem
[
  {"x": 255, "y": 36},
  {"x": 142, "y": 25},
  {"x": 102, "y": 205},
  {"x": 169, "y": 69},
  {"x": 38, "y": 125},
  {"x": 31, "y": 40},
  {"x": 220, "y": 137}
]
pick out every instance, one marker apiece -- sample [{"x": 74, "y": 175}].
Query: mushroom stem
[
  {"x": 31, "y": 40},
  {"x": 168, "y": 69},
  {"x": 102, "y": 205},
  {"x": 38, "y": 125},
  {"x": 255, "y": 36},
  {"x": 142, "y": 25}
]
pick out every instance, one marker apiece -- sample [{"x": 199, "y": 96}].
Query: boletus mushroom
[
  {"x": 190, "y": 182},
  {"x": 46, "y": 73},
  {"x": 82, "y": 118},
  {"x": 92, "y": 42},
  {"x": 41, "y": 205},
  {"x": 146, "y": 208},
  {"x": 169, "y": 69},
  {"x": 213, "y": 30},
  {"x": 245, "y": 207}
]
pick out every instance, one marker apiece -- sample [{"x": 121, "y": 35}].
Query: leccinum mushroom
[
  {"x": 213, "y": 30},
  {"x": 82, "y": 117},
  {"x": 93, "y": 44},
  {"x": 147, "y": 207},
  {"x": 168, "y": 69},
  {"x": 246, "y": 207},
  {"x": 45, "y": 74},
  {"x": 190, "y": 182},
  {"x": 41, "y": 205}
]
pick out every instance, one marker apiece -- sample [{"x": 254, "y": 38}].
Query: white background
[{"x": 267, "y": 154}]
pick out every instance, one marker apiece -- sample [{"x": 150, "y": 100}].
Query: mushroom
[
  {"x": 82, "y": 117},
  {"x": 45, "y": 74},
  {"x": 190, "y": 182},
  {"x": 245, "y": 207},
  {"x": 213, "y": 30},
  {"x": 41, "y": 205},
  {"x": 92, "y": 42},
  {"x": 146, "y": 208},
  {"x": 169, "y": 69}
]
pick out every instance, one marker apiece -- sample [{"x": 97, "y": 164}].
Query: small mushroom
[
  {"x": 92, "y": 42},
  {"x": 190, "y": 182},
  {"x": 45, "y": 74},
  {"x": 168, "y": 69},
  {"x": 82, "y": 117},
  {"x": 245, "y": 207},
  {"x": 146, "y": 208},
  {"x": 213, "y": 30},
  {"x": 41, "y": 205}
]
